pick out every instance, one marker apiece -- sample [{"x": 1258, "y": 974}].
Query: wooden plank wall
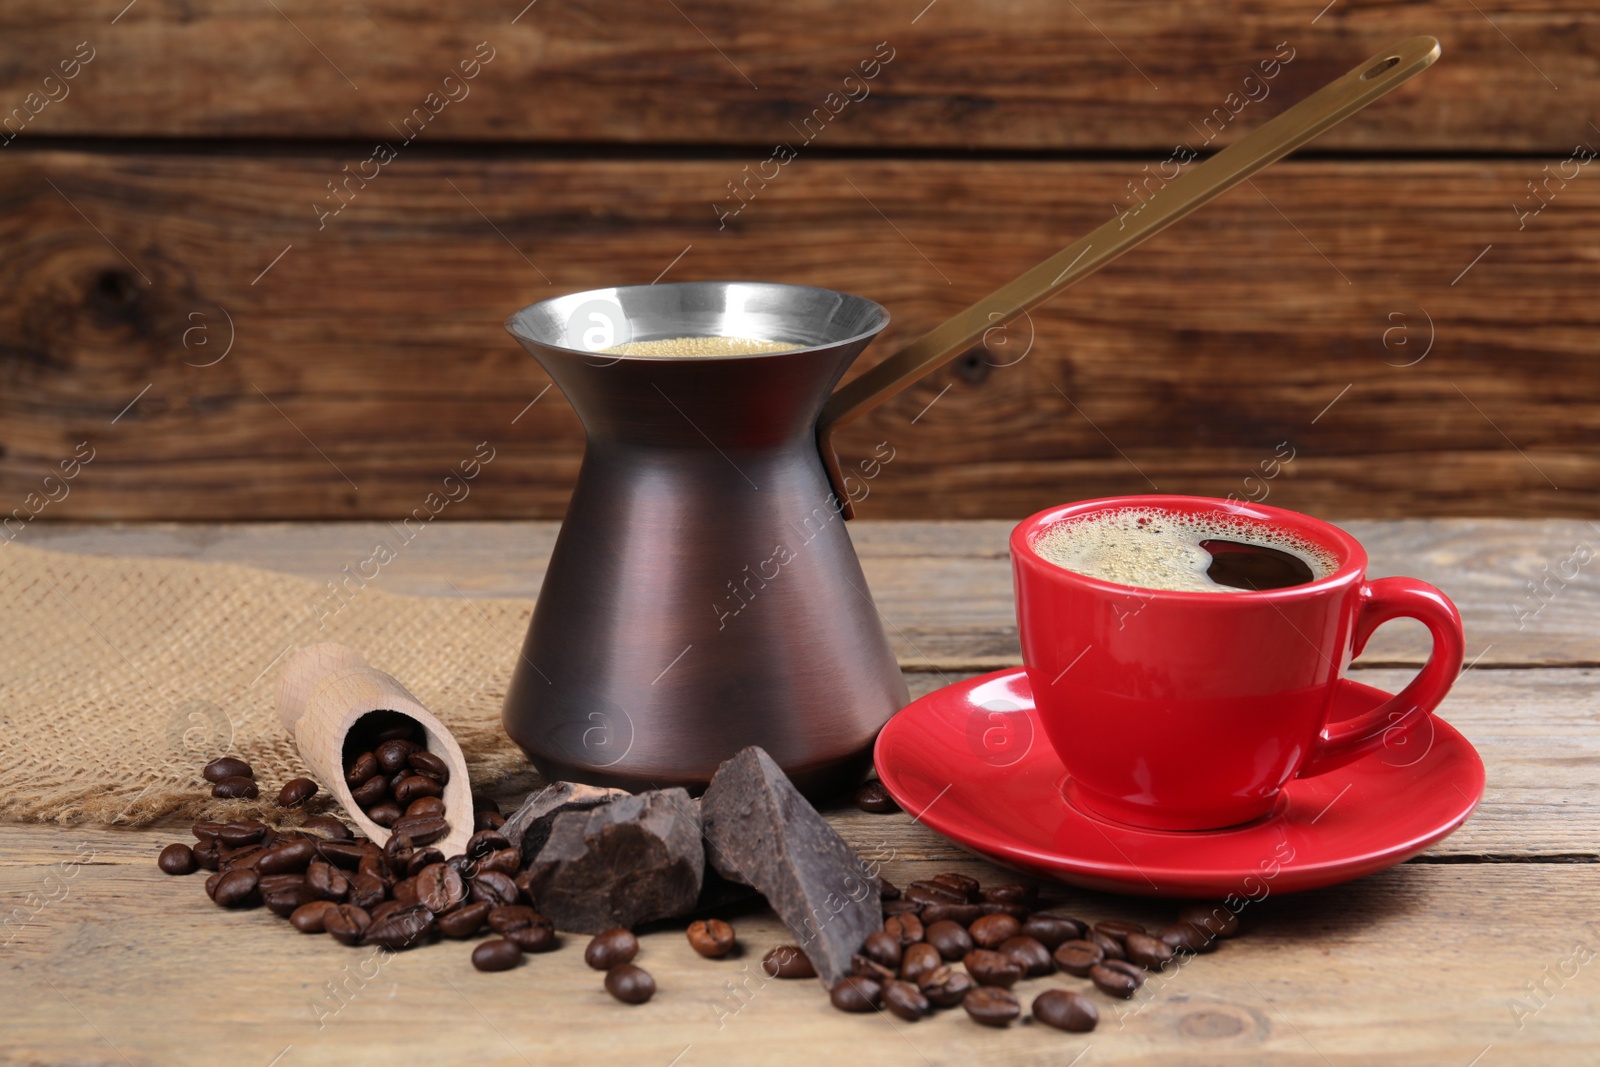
[{"x": 195, "y": 325}]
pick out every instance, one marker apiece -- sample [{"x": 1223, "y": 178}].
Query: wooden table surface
[{"x": 1481, "y": 952}]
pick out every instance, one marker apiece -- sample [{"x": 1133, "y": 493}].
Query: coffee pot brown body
[{"x": 703, "y": 594}]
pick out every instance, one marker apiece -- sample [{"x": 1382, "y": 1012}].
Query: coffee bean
[
  {"x": 364, "y": 768},
  {"x": 539, "y": 937},
  {"x": 1147, "y": 952},
  {"x": 482, "y": 803},
  {"x": 385, "y": 908},
  {"x": 295, "y": 792},
  {"x": 206, "y": 831},
  {"x": 233, "y": 859},
  {"x": 919, "y": 960},
  {"x": 905, "y": 1000},
  {"x": 424, "y": 806},
  {"x": 968, "y": 887},
  {"x": 236, "y": 788},
  {"x": 346, "y": 854},
  {"x": 887, "y": 890},
  {"x": 1216, "y": 919},
  {"x": 424, "y": 830},
  {"x": 1066, "y": 1010},
  {"x": 906, "y": 928},
  {"x": 1118, "y": 928},
  {"x": 285, "y": 900},
  {"x": 513, "y": 917},
  {"x": 630, "y": 984},
  {"x": 1019, "y": 912},
  {"x": 308, "y": 917},
  {"x": 872, "y": 796},
  {"x": 990, "y": 968},
  {"x": 414, "y": 787},
  {"x": 883, "y": 948},
  {"x": 855, "y": 993},
  {"x": 226, "y": 767},
  {"x": 397, "y": 853},
  {"x": 1132, "y": 970},
  {"x": 933, "y": 893},
  {"x": 494, "y": 888},
  {"x": 400, "y": 930},
  {"x": 329, "y": 827},
  {"x": 208, "y": 854},
  {"x": 237, "y": 889},
  {"x": 1078, "y": 957},
  {"x": 287, "y": 856},
  {"x": 463, "y": 922},
  {"x": 959, "y": 913},
  {"x": 1185, "y": 937},
  {"x": 611, "y": 947},
  {"x": 426, "y": 857},
  {"x": 1013, "y": 893},
  {"x": 367, "y": 891},
  {"x": 992, "y": 1007},
  {"x": 424, "y": 762},
  {"x": 488, "y": 820},
  {"x": 405, "y": 891},
  {"x": 388, "y": 814},
  {"x": 484, "y": 842},
  {"x": 346, "y": 923},
  {"x": 393, "y": 755},
  {"x": 787, "y": 961},
  {"x": 1061, "y": 916},
  {"x": 177, "y": 859},
  {"x": 950, "y": 938},
  {"x": 711, "y": 938},
  {"x": 507, "y": 861},
  {"x": 327, "y": 882},
  {"x": 523, "y": 883},
  {"x": 241, "y": 834},
  {"x": 496, "y": 955},
  {"x": 1113, "y": 982},
  {"x": 439, "y": 888},
  {"x": 990, "y": 930},
  {"x": 868, "y": 968},
  {"x": 271, "y": 883},
  {"x": 900, "y": 906},
  {"x": 1051, "y": 932},
  {"x": 1033, "y": 956},
  {"x": 1111, "y": 946},
  {"x": 395, "y": 726},
  {"x": 945, "y": 987},
  {"x": 370, "y": 792}
]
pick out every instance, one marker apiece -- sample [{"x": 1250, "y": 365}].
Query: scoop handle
[{"x": 1321, "y": 111}]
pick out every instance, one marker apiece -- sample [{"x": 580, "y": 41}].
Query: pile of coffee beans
[
  {"x": 394, "y": 779},
  {"x": 1000, "y": 936},
  {"x": 232, "y": 778},
  {"x": 325, "y": 879}
]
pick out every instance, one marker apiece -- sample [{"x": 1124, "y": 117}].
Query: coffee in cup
[{"x": 1184, "y": 652}]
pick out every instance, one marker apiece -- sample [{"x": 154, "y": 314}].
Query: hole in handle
[{"x": 1379, "y": 67}]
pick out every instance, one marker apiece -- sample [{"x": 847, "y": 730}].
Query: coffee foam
[{"x": 1154, "y": 549}]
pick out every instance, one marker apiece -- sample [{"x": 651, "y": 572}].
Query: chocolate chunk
[
  {"x": 635, "y": 859},
  {"x": 760, "y": 831},
  {"x": 529, "y": 828}
]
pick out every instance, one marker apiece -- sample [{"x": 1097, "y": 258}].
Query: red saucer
[{"x": 972, "y": 762}]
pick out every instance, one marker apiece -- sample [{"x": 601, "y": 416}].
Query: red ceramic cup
[{"x": 1190, "y": 710}]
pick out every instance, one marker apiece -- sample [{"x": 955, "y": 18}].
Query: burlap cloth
[{"x": 121, "y": 677}]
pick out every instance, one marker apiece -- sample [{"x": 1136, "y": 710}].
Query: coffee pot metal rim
[{"x": 520, "y": 324}]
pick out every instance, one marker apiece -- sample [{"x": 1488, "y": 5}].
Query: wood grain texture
[
  {"x": 1485, "y": 565},
  {"x": 1420, "y": 964},
  {"x": 1031, "y": 74},
  {"x": 368, "y": 358}
]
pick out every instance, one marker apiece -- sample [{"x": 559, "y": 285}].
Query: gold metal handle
[{"x": 1322, "y": 110}]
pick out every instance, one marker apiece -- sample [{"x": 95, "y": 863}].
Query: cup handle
[{"x": 1381, "y": 600}]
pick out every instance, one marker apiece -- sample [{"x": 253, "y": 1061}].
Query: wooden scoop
[
  {"x": 324, "y": 691},
  {"x": 1321, "y": 111}
]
